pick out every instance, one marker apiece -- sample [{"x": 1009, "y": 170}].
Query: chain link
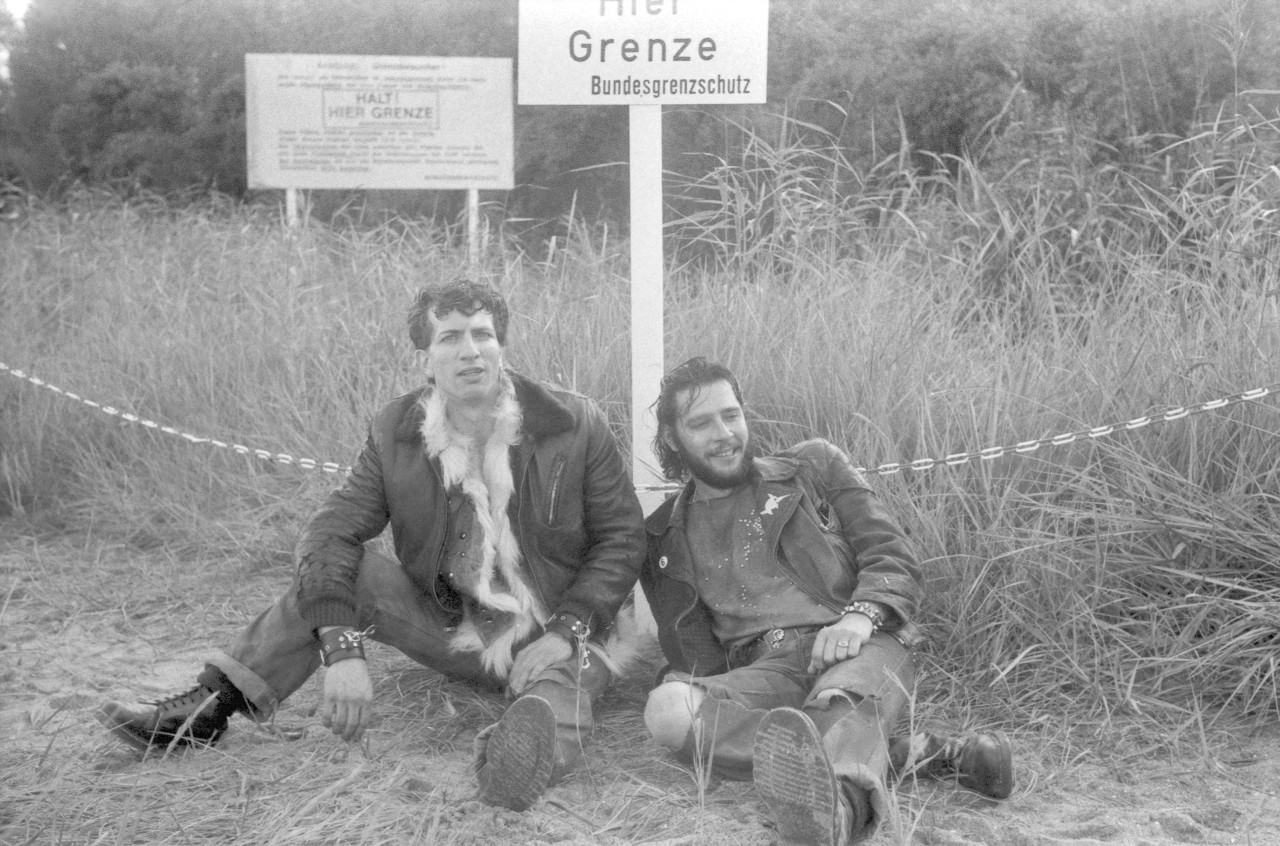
[
  {"x": 239, "y": 449},
  {"x": 1025, "y": 447},
  {"x": 920, "y": 464}
]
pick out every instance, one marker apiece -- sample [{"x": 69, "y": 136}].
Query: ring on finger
[{"x": 842, "y": 643}]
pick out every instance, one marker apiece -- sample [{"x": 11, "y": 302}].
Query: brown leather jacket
[
  {"x": 837, "y": 543},
  {"x": 575, "y": 512}
]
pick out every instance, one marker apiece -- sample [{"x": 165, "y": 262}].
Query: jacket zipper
[
  {"x": 555, "y": 490},
  {"x": 524, "y": 540}
]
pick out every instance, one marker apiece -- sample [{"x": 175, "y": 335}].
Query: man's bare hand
[
  {"x": 348, "y": 698},
  {"x": 840, "y": 641},
  {"x": 536, "y": 657}
]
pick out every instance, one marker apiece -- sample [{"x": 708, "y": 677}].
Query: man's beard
[{"x": 708, "y": 475}]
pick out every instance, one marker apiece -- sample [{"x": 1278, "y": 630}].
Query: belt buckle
[{"x": 762, "y": 645}]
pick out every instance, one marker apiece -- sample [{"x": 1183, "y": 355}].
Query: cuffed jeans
[
  {"x": 877, "y": 683},
  {"x": 279, "y": 651}
]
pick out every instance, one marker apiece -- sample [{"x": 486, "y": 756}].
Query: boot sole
[
  {"x": 794, "y": 778},
  {"x": 520, "y": 755}
]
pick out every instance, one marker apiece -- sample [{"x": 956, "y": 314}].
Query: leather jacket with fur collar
[{"x": 575, "y": 513}]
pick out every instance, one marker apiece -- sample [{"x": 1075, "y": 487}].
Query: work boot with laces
[
  {"x": 196, "y": 718},
  {"x": 982, "y": 763}
]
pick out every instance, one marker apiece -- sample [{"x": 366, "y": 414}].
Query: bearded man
[
  {"x": 517, "y": 534},
  {"x": 786, "y": 597}
]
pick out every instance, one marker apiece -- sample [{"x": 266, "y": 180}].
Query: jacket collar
[
  {"x": 764, "y": 469},
  {"x": 543, "y": 414}
]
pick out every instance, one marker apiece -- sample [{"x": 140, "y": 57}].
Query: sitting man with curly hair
[{"x": 517, "y": 534}]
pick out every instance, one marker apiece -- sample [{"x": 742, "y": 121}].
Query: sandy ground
[{"x": 81, "y": 622}]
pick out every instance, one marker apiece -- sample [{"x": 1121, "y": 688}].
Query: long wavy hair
[{"x": 693, "y": 375}]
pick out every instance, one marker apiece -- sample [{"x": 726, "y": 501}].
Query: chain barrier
[
  {"x": 1024, "y": 447},
  {"x": 239, "y": 449},
  {"x": 920, "y": 464}
]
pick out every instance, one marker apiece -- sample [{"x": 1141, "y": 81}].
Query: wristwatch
[{"x": 867, "y": 609}]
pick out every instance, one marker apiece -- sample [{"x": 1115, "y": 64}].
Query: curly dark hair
[
  {"x": 692, "y": 375},
  {"x": 461, "y": 294}
]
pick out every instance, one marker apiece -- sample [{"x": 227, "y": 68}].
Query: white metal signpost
[
  {"x": 643, "y": 54},
  {"x": 334, "y": 121}
]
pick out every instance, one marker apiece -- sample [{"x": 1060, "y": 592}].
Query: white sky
[{"x": 16, "y": 8}]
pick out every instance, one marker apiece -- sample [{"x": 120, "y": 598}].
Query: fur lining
[
  {"x": 628, "y": 644},
  {"x": 483, "y": 473}
]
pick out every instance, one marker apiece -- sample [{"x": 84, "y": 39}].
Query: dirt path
[{"x": 82, "y": 621}]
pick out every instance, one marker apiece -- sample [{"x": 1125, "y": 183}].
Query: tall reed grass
[{"x": 901, "y": 316}]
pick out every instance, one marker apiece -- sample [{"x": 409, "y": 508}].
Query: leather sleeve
[
  {"x": 332, "y": 542},
  {"x": 888, "y": 571},
  {"x": 614, "y": 527}
]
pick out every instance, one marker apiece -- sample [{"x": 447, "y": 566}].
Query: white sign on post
[
  {"x": 643, "y": 54},
  {"x": 633, "y": 52},
  {"x": 316, "y": 121}
]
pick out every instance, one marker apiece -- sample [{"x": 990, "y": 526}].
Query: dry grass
[
  {"x": 109, "y": 621},
  {"x": 84, "y": 621},
  {"x": 1117, "y": 592}
]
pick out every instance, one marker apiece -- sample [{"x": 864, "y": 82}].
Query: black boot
[
  {"x": 197, "y": 717},
  {"x": 981, "y": 762}
]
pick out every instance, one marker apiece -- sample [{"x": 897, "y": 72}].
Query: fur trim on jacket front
[{"x": 482, "y": 472}]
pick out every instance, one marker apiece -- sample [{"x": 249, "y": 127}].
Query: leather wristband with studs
[
  {"x": 867, "y": 610},
  {"x": 340, "y": 644},
  {"x": 568, "y": 627}
]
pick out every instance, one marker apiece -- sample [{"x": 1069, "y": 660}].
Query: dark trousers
[
  {"x": 875, "y": 687},
  {"x": 279, "y": 651}
]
